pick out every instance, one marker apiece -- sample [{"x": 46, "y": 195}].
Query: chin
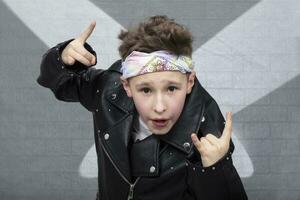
[{"x": 161, "y": 131}]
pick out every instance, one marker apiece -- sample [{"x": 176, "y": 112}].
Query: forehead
[{"x": 164, "y": 77}]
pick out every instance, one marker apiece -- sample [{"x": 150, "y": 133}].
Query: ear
[
  {"x": 126, "y": 86},
  {"x": 191, "y": 81}
]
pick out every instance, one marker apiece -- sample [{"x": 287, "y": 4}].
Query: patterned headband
[{"x": 138, "y": 63}]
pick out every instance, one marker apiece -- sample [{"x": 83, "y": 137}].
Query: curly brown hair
[{"x": 156, "y": 33}]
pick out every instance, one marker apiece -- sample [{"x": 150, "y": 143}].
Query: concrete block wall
[{"x": 247, "y": 57}]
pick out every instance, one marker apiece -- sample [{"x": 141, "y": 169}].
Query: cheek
[
  {"x": 177, "y": 105},
  {"x": 141, "y": 105}
]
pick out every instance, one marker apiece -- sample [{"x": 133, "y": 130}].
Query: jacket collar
[{"x": 118, "y": 97}]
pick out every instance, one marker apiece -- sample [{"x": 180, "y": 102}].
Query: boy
[{"x": 145, "y": 108}]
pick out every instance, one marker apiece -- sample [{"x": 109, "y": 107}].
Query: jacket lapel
[{"x": 116, "y": 138}]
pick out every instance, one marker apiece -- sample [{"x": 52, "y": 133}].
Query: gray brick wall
[{"x": 247, "y": 57}]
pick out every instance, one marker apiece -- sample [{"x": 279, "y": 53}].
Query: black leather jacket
[{"x": 160, "y": 167}]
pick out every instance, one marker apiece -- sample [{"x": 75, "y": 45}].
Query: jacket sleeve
[
  {"x": 221, "y": 180},
  {"x": 76, "y": 83}
]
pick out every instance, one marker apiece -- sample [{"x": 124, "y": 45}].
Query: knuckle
[
  {"x": 87, "y": 55},
  {"x": 72, "y": 44},
  {"x": 71, "y": 62},
  {"x": 69, "y": 51},
  {"x": 219, "y": 148},
  {"x": 209, "y": 136}
]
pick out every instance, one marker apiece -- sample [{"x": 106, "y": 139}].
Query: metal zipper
[{"x": 130, "y": 194}]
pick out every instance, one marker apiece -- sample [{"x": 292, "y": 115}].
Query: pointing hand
[
  {"x": 212, "y": 148},
  {"x": 75, "y": 50}
]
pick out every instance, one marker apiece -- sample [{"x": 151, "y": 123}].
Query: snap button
[
  {"x": 109, "y": 110},
  {"x": 85, "y": 76},
  {"x": 213, "y": 168},
  {"x": 62, "y": 67},
  {"x": 98, "y": 91},
  {"x": 186, "y": 146},
  {"x": 97, "y": 110},
  {"x": 98, "y": 131},
  {"x": 113, "y": 96},
  {"x": 106, "y": 136},
  {"x": 203, "y": 119},
  {"x": 152, "y": 169},
  {"x": 203, "y": 170},
  {"x": 227, "y": 158}
]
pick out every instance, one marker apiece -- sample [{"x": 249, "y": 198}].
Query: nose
[{"x": 159, "y": 104}]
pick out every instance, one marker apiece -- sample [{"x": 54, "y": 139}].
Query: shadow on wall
[{"x": 269, "y": 129}]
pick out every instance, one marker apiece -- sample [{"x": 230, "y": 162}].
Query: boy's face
[{"x": 159, "y": 97}]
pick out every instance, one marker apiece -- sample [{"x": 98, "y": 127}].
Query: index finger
[
  {"x": 87, "y": 32},
  {"x": 228, "y": 127}
]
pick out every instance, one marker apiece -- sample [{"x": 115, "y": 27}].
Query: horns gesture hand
[{"x": 212, "y": 148}]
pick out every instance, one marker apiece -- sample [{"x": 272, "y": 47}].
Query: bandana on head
[{"x": 138, "y": 63}]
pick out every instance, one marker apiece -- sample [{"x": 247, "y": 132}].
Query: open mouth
[{"x": 160, "y": 123}]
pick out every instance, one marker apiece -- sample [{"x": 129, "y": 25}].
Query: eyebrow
[{"x": 149, "y": 83}]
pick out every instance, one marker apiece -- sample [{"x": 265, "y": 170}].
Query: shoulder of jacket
[
  {"x": 207, "y": 99},
  {"x": 116, "y": 66},
  {"x": 112, "y": 75},
  {"x": 111, "y": 82}
]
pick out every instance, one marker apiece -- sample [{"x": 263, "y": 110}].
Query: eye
[
  {"x": 145, "y": 90},
  {"x": 172, "y": 88}
]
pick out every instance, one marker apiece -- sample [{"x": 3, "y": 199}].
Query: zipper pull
[{"x": 130, "y": 194}]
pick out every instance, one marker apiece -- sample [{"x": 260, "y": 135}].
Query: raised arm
[{"x": 67, "y": 70}]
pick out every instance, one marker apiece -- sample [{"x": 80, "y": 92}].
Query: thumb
[
  {"x": 87, "y": 32},
  {"x": 227, "y": 132}
]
